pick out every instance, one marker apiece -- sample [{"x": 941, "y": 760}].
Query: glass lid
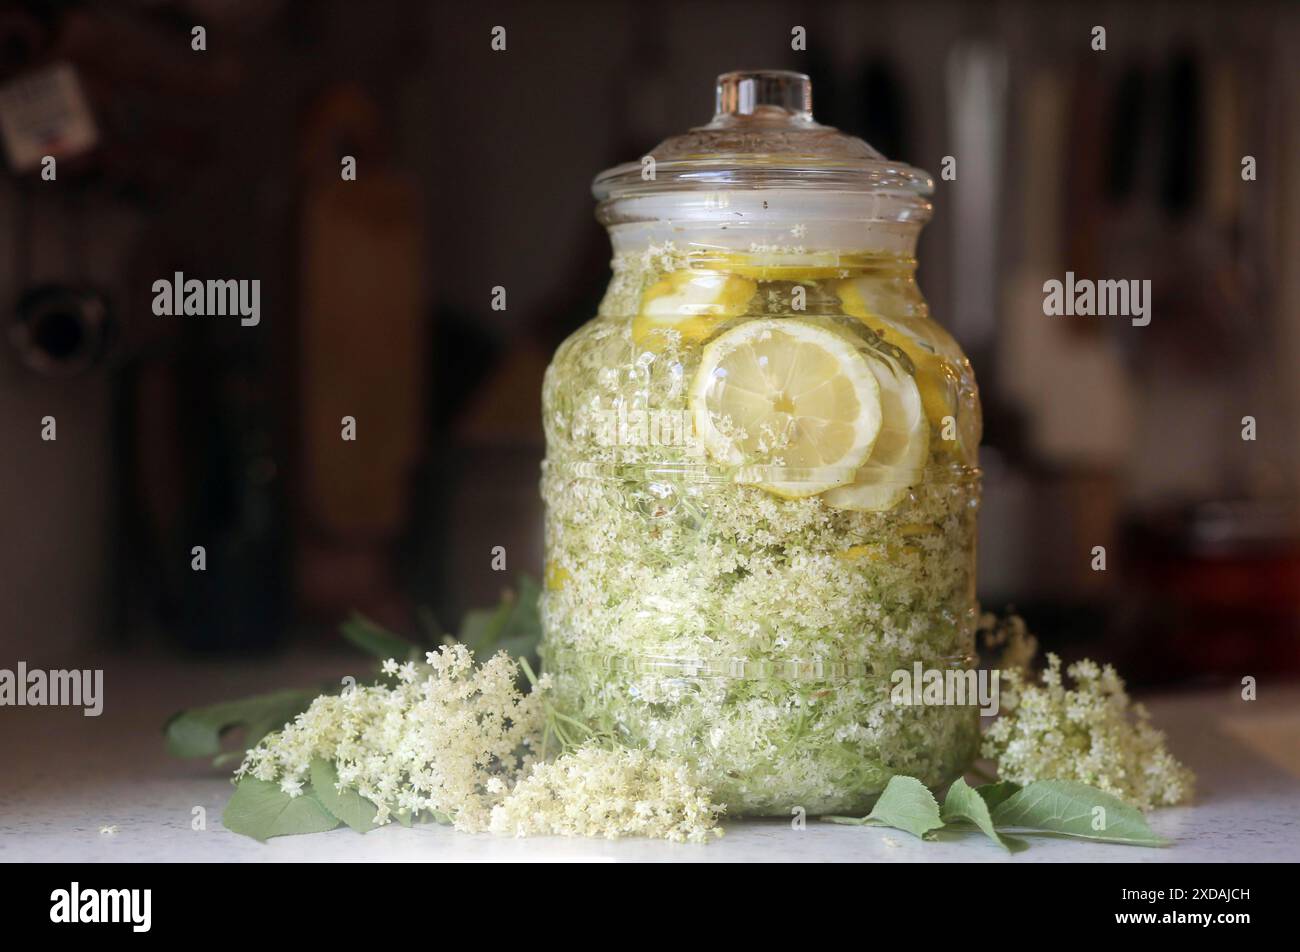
[{"x": 762, "y": 136}]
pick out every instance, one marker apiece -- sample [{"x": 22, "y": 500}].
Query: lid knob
[{"x": 764, "y": 94}]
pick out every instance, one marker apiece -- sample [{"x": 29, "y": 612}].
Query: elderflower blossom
[
  {"x": 453, "y": 739},
  {"x": 593, "y": 791},
  {"x": 448, "y": 737},
  {"x": 1010, "y": 634},
  {"x": 1084, "y": 733}
]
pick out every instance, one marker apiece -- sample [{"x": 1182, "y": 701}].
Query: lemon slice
[
  {"x": 935, "y": 376},
  {"x": 692, "y": 303},
  {"x": 901, "y": 450},
  {"x": 789, "y": 394}
]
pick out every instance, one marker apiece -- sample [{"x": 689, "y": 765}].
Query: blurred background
[{"x": 474, "y": 169}]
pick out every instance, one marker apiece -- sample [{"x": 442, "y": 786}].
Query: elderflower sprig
[
  {"x": 610, "y": 793},
  {"x": 1091, "y": 733},
  {"x": 448, "y": 737},
  {"x": 459, "y": 743}
]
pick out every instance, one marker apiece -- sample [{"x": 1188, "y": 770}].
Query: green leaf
[
  {"x": 197, "y": 732},
  {"x": 349, "y": 806},
  {"x": 965, "y": 805},
  {"x": 376, "y": 640},
  {"x": 260, "y": 809},
  {"x": 482, "y": 628},
  {"x": 995, "y": 793},
  {"x": 906, "y": 804},
  {"x": 514, "y": 626},
  {"x": 1071, "y": 809},
  {"x": 434, "y": 633}
]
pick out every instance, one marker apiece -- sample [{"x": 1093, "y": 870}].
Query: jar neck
[{"x": 784, "y": 221}]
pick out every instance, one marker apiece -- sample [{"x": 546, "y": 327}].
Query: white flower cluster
[
  {"x": 611, "y": 793},
  {"x": 453, "y": 740},
  {"x": 1091, "y": 733},
  {"x": 449, "y": 738}
]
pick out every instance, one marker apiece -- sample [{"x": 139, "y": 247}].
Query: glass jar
[{"x": 761, "y": 482}]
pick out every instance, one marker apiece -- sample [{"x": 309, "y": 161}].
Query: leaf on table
[
  {"x": 197, "y": 732},
  {"x": 995, "y": 793},
  {"x": 377, "y": 641},
  {"x": 260, "y": 809},
  {"x": 906, "y": 804},
  {"x": 348, "y": 805},
  {"x": 1069, "y": 808},
  {"x": 964, "y": 804}
]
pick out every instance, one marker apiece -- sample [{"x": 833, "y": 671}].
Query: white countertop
[{"x": 74, "y": 788}]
